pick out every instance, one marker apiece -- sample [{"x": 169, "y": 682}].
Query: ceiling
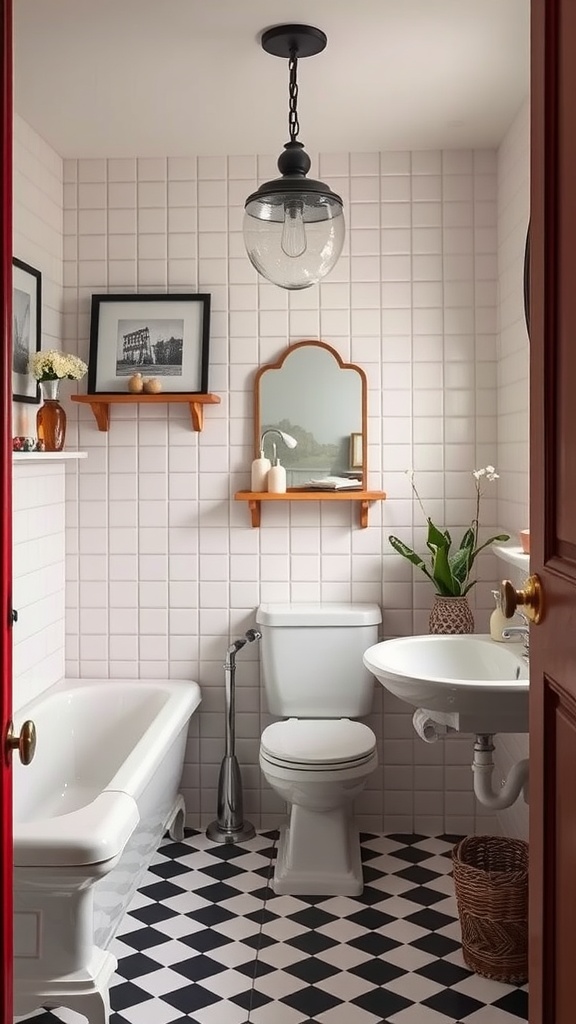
[{"x": 183, "y": 77}]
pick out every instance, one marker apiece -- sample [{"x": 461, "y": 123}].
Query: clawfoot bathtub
[{"x": 89, "y": 812}]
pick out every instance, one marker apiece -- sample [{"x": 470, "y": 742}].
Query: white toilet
[{"x": 318, "y": 760}]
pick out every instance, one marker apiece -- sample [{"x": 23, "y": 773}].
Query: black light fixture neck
[{"x": 294, "y": 161}]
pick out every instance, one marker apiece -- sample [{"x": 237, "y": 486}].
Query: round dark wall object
[{"x": 527, "y": 282}]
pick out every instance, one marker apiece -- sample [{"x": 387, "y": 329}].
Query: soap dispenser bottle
[
  {"x": 276, "y": 475},
  {"x": 259, "y": 472},
  {"x": 498, "y": 620}
]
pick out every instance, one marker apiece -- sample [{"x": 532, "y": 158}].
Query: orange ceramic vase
[{"x": 51, "y": 418}]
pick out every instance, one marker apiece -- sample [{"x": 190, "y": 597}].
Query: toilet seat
[{"x": 318, "y": 744}]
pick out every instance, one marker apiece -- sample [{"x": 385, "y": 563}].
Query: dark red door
[
  {"x": 5, "y": 506},
  {"x": 553, "y": 513}
]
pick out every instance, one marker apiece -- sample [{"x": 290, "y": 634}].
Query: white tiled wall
[
  {"x": 513, "y": 397},
  {"x": 163, "y": 566},
  {"x": 38, "y": 489},
  {"x": 513, "y": 345},
  {"x": 39, "y": 577}
]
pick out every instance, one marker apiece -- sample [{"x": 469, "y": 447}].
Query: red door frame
[{"x": 6, "y": 506}]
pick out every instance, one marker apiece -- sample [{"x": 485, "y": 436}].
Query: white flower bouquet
[{"x": 50, "y": 364}]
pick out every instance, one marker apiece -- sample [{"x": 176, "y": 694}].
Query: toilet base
[{"x": 319, "y": 854}]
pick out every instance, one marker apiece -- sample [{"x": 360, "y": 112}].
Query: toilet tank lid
[{"x": 318, "y": 614}]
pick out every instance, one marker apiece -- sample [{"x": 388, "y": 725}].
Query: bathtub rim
[{"x": 73, "y": 838}]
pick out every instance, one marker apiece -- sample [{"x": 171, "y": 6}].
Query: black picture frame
[
  {"x": 26, "y": 329},
  {"x": 164, "y": 336}
]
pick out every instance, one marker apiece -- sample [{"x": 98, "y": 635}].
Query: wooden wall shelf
[
  {"x": 363, "y": 498},
  {"x": 100, "y": 405}
]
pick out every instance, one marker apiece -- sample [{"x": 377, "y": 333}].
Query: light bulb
[{"x": 293, "y": 242}]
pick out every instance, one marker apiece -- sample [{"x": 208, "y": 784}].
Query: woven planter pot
[
  {"x": 451, "y": 615},
  {"x": 491, "y": 882}
]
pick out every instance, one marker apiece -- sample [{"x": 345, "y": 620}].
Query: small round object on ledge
[
  {"x": 152, "y": 385},
  {"x": 135, "y": 384}
]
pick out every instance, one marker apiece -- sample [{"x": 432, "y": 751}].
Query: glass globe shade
[{"x": 293, "y": 238}]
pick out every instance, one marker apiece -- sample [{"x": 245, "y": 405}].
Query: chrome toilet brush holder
[{"x": 229, "y": 826}]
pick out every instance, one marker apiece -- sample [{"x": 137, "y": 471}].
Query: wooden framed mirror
[{"x": 311, "y": 394}]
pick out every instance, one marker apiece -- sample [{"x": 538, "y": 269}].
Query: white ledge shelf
[
  {"x": 47, "y": 456},
  {"x": 513, "y": 554}
]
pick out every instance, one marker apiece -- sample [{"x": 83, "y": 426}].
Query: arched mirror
[{"x": 320, "y": 401}]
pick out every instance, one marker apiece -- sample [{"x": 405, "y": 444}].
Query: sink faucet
[{"x": 524, "y": 632}]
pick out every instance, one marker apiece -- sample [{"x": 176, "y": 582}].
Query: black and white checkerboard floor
[{"x": 206, "y": 941}]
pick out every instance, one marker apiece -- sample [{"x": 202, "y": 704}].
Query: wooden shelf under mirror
[
  {"x": 363, "y": 498},
  {"x": 100, "y": 405}
]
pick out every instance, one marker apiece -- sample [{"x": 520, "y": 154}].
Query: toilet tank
[{"x": 312, "y": 658}]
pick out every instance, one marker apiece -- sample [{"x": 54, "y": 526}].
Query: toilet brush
[{"x": 229, "y": 826}]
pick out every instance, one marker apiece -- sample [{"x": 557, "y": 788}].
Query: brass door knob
[
  {"x": 25, "y": 743},
  {"x": 530, "y": 600}
]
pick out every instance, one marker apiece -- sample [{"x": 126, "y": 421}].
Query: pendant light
[{"x": 294, "y": 226}]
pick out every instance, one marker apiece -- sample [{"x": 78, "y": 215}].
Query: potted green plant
[{"x": 449, "y": 570}]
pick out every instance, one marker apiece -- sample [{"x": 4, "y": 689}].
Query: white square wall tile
[{"x": 408, "y": 304}]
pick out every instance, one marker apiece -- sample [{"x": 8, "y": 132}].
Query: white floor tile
[
  {"x": 414, "y": 986},
  {"x": 409, "y": 958},
  {"x": 222, "y": 1012},
  {"x": 403, "y": 931},
  {"x": 277, "y": 1013},
  {"x": 153, "y": 1011},
  {"x": 281, "y": 955},
  {"x": 483, "y": 989},
  {"x": 345, "y": 986},
  {"x": 158, "y": 983},
  {"x": 170, "y": 953},
  {"x": 420, "y": 1015},
  {"x": 491, "y": 1015},
  {"x": 346, "y": 1014},
  {"x": 341, "y": 930},
  {"x": 344, "y": 956},
  {"x": 227, "y": 983}
]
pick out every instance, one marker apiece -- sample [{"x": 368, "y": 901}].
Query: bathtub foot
[
  {"x": 85, "y": 991},
  {"x": 175, "y": 823},
  {"x": 94, "y": 1005}
]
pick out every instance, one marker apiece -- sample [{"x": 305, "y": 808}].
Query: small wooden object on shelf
[
  {"x": 364, "y": 498},
  {"x": 100, "y": 404}
]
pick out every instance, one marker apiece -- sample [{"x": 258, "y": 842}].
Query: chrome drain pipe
[{"x": 229, "y": 826}]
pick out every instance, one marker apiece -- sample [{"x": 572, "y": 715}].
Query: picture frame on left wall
[{"x": 26, "y": 329}]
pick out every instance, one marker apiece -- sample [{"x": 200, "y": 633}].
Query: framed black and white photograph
[
  {"x": 26, "y": 329},
  {"x": 164, "y": 336}
]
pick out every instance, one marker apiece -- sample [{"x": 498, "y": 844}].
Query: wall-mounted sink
[{"x": 471, "y": 682}]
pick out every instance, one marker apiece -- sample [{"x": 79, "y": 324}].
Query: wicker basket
[{"x": 491, "y": 881}]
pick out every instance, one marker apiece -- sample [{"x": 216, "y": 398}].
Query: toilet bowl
[{"x": 312, "y": 668}]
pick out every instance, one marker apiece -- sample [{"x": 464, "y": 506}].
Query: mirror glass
[{"x": 320, "y": 401}]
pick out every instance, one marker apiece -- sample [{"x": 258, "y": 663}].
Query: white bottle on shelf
[
  {"x": 259, "y": 474},
  {"x": 276, "y": 476},
  {"x": 498, "y": 620}
]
